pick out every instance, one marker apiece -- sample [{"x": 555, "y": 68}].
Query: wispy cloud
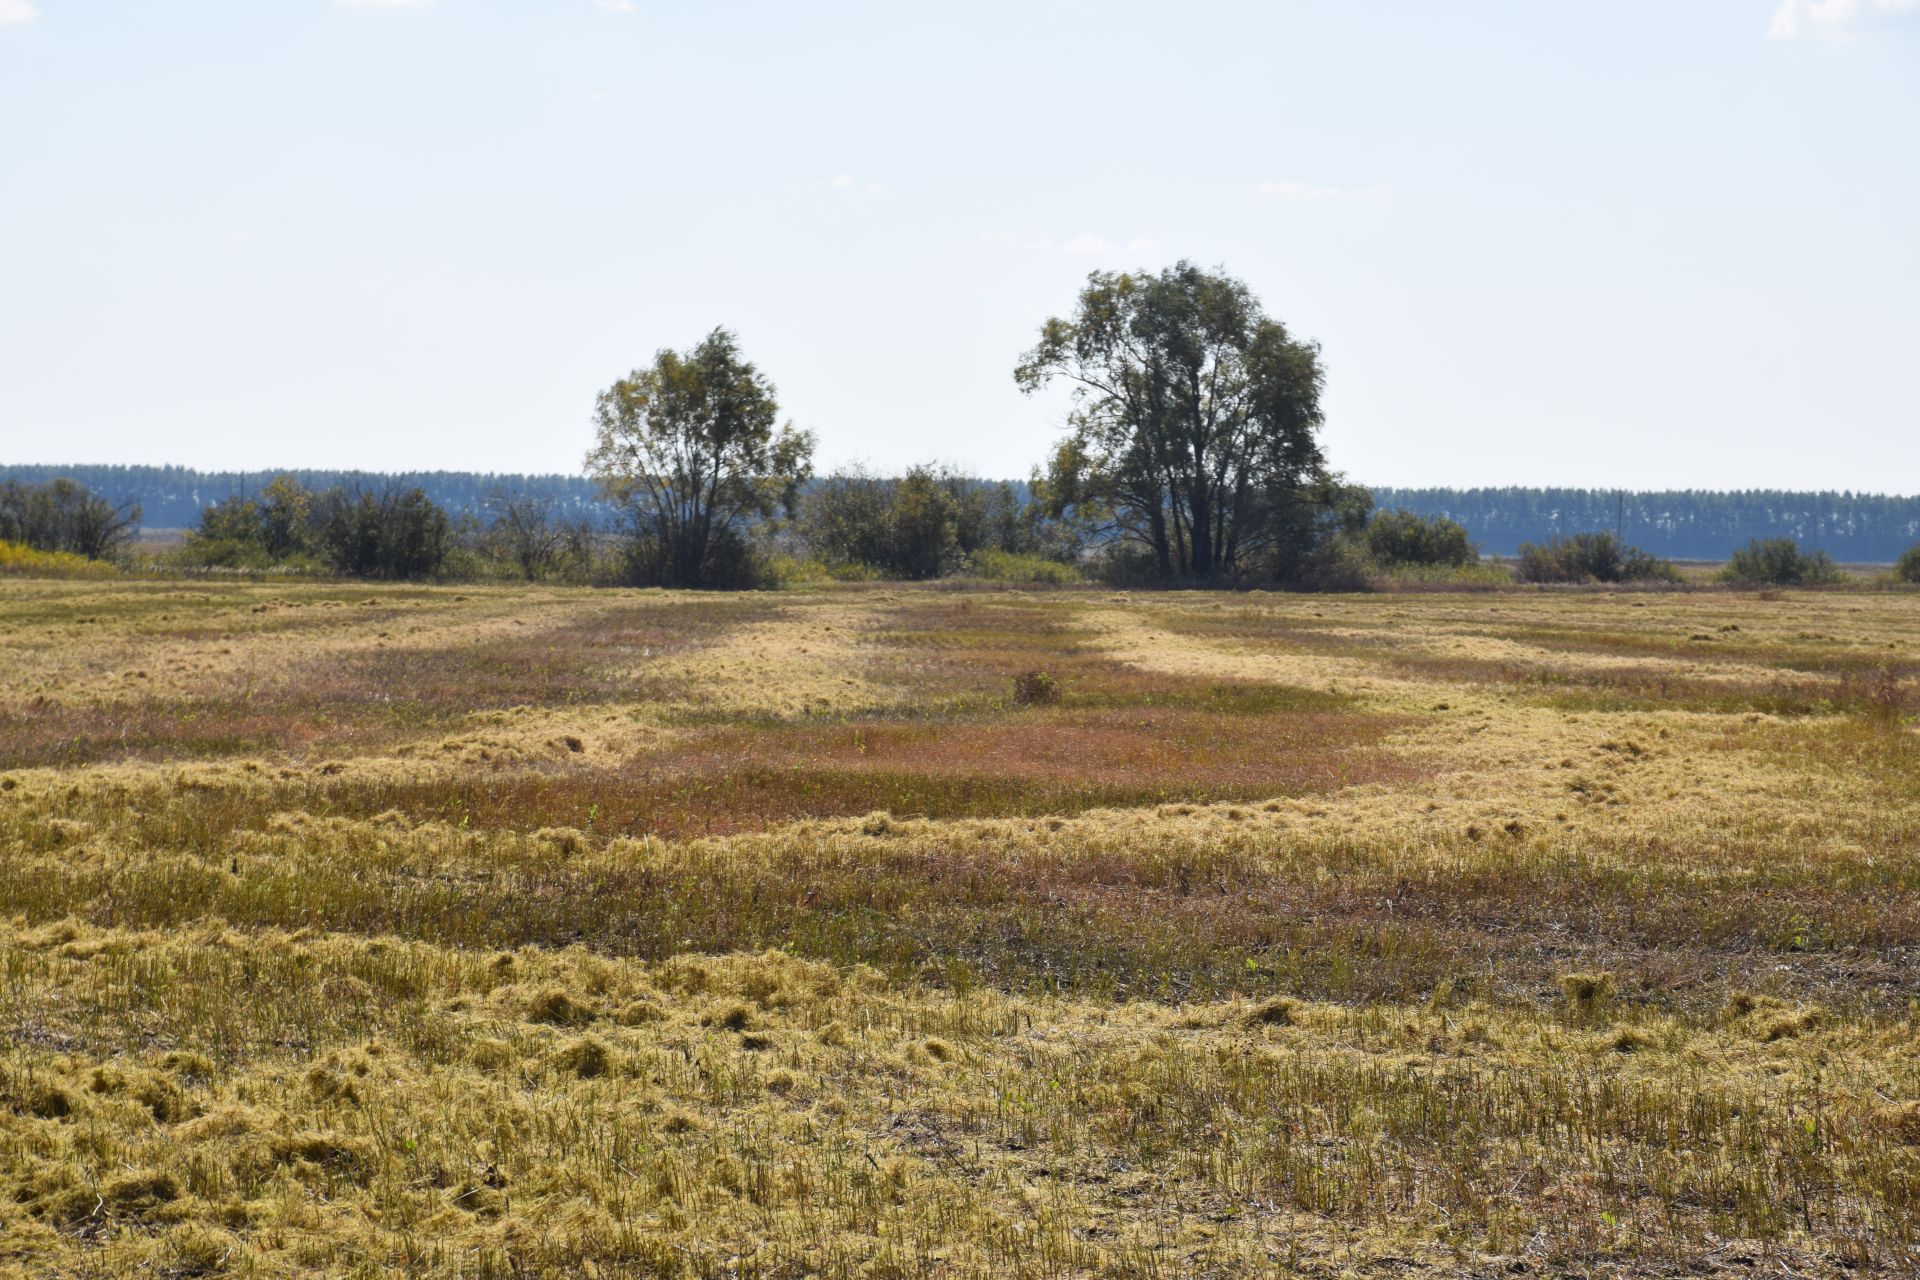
[
  {"x": 1834, "y": 19},
  {"x": 17, "y": 13},
  {"x": 383, "y": 4},
  {"x": 1314, "y": 193},
  {"x": 616, "y": 6},
  {"x": 1084, "y": 245}
]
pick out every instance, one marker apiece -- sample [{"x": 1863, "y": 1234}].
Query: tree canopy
[
  {"x": 63, "y": 515},
  {"x": 1194, "y": 421},
  {"x": 690, "y": 446},
  {"x": 395, "y": 533}
]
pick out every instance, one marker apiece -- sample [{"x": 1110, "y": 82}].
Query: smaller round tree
[{"x": 691, "y": 447}]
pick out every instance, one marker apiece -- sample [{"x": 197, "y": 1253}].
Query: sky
[{"x": 1635, "y": 244}]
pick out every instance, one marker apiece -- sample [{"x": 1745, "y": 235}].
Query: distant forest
[
  {"x": 173, "y": 497},
  {"x": 1688, "y": 524},
  {"x": 1683, "y": 524}
]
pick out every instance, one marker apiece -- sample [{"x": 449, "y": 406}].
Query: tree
[
  {"x": 64, "y": 515},
  {"x": 846, "y": 519},
  {"x": 1908, "y": 567},
  {"x": 1779, "y": 562},
  {"x": 283, "y": 513},
  {"x": 1397, "y": 538},
  {"x": 397, "y": 534},
  {"x": 1591, "y": 557},
  {"x": 689, "y": 446},
  {"x": 229, "y": 536},
  {"x": 525, "y": 531},
  {"x": 1194, "y": 419},
  {"x": 902, "y": 527},
  {"x": 925, "y": 520}
]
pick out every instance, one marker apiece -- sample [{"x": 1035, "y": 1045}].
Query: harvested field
[{"x": 528, "y": 932}]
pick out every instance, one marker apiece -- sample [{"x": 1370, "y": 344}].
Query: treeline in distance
[
  {"x": 1680, "y": 524},
  {"x": 1686, "y": 524},
  {"x": 1192, "y": 455}
]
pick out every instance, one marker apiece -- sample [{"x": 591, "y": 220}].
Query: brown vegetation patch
[{"x": 365, "y": 700}]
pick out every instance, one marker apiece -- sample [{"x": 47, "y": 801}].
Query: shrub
[
  {"x": 396, "y": 534},
  {"x": 25, "y": 561},
  {"x": 1484, "y": 573},
  {"x": 1591, "y": 557},
  {"x": 904, "y": 528},
  {"x": 1401, "y": 538},
  {"x": 1035, "y": 689},
  {"x": 401, "y": 534},
  {"x": 1779, "y": 562},
  {"x": 1120, "y": 564},
  {"x": 924, "y": 521},
  {"x": 1009, "y": 566},
  {"x": 529, "y": 533},
  {"x": 796, "y": 571},
  {"x": 731, "y": 561},
  {"x": 927, "y": 523},
  {"x": 1907, "y": 569},
  {"x": 1887, "y": 699},
  {"x": 1338, "y": 563},
  {"x": 64, "y": 515}
]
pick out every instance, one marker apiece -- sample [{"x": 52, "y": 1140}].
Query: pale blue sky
[{"x": 1642, "y": 244}]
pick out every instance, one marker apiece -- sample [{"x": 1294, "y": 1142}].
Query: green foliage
[
  {"x": 785, "y": 570},
  {"x": 924, "y": 521},
  {"x": 63, "y": 515},
  {"x": 1591, "y": 557},
  {"x": 1321, "y": 537},
  {"x": 989, "y": 515},
  {"x": 1194, "y": 420},
  {"x": 689, "y": 446},
  {"x": 925, "y": 524},
  {"x": 1481, "y": 573},
  {"x": 995, "y": 565},
  {"x": 1400, "y": 539},
  {"x": 20, "y": 560},
  {"x": 392, "y": 535},
  {"x": 396, "y": 534},
  {"x": 1779, "y": 562},
  {"x": 1908, "y": 567},
  {"x": 229, "y": 536},
  {"x": 526, "y": 533},
  {"x": 846, "y": 519},
  {"x": 1336, "y": 563}
]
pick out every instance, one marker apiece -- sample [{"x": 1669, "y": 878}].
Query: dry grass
[{"x": 506, "y": 933}]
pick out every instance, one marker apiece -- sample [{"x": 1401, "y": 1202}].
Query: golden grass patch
[{"x": 461, "y": 932}]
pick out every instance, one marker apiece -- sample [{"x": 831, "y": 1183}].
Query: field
[{"x": 495, "y": 932}]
